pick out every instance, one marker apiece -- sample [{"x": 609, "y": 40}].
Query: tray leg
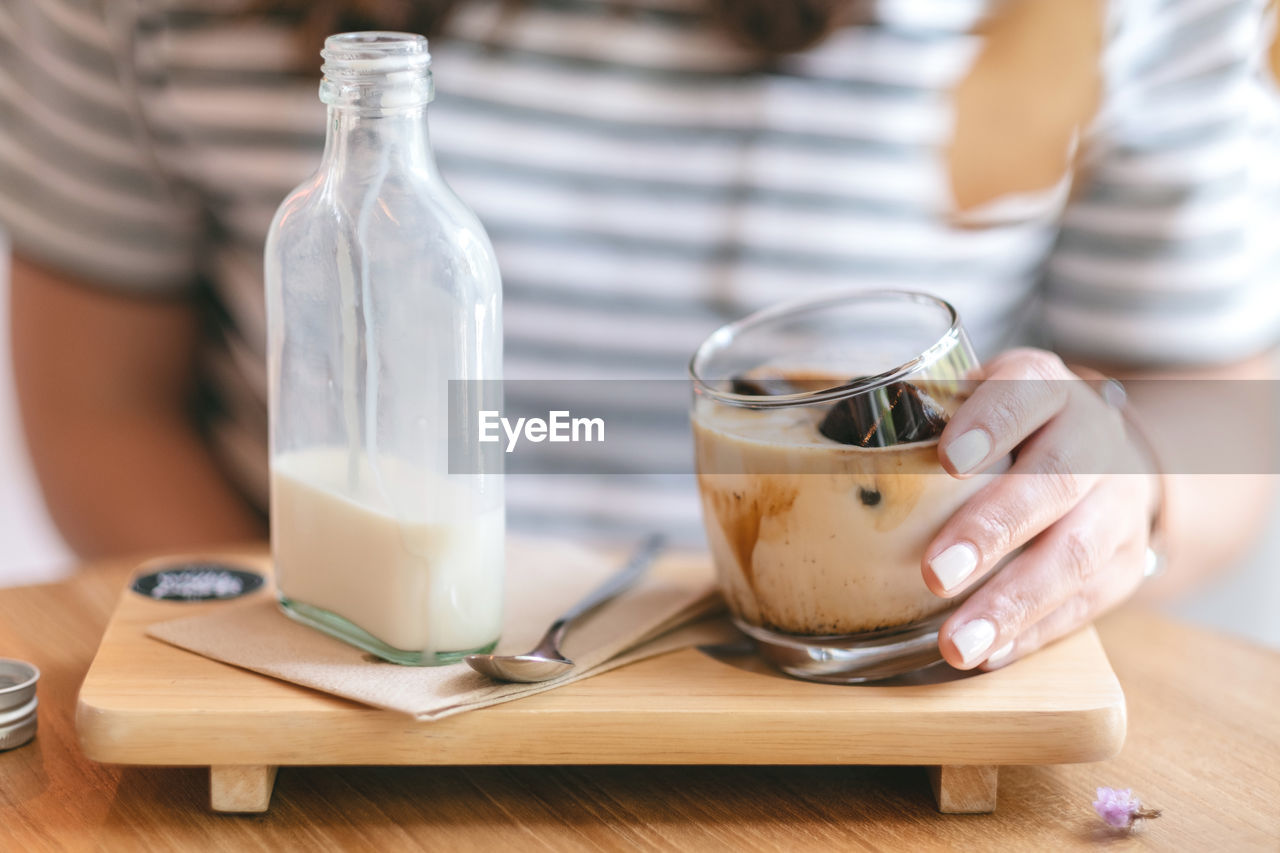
[
  {"x": 964, "y": 789},
  {"x": 241, "y": 787}
]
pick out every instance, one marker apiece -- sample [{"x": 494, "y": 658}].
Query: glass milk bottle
[{"x": 381, "y": 289}]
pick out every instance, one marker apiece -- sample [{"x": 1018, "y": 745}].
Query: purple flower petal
[{"x": 1117, "y": 807}]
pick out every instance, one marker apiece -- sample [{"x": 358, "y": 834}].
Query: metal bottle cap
[{"x": 17, "y": 702}]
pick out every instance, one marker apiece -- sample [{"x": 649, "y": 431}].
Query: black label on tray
[{"x": 197, "y": 582}]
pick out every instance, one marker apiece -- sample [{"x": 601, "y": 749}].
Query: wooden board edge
[
  {"x": 123, "y": 737},
  {"x": 99, "y": 731}
]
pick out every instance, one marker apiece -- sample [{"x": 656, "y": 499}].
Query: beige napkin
[{"x": 669, "y": 609}]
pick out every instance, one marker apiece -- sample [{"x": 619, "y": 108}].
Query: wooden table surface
[{"x": 1203, "y": 745}]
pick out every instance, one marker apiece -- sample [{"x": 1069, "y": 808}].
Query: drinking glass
[{"x": 816, "y": 426}]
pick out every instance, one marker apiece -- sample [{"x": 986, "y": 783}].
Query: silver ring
[
  {"x": 1113, "y": 393},
  {"x": 1154, "y": 565}
]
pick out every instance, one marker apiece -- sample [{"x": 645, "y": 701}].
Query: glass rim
[
  {"x": 726, "y": 333},
  {"x": 377, "y": 41},
  {"x": 362, "y": 52}
]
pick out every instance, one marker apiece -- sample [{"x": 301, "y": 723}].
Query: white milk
[{"x": 407, "y": 557}]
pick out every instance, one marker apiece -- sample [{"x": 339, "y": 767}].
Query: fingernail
[
  {"x": 968, "y": 450},
  {"x": 954, "y": 564},
  {"x": 972, "y": 639},
  {"x": 1000, "y": 653}
]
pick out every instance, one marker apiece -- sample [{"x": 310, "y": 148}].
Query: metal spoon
[{"x": 546, "y": 661}]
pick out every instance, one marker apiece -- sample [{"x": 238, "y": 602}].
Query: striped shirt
[{"x": 645, "y": 180}]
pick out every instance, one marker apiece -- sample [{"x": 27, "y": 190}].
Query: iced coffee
[{"x": 821, "y": 486}]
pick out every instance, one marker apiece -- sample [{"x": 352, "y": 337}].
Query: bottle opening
[
  {"x": 376, "y": 70},
  {"x": 350, "y": 55}
]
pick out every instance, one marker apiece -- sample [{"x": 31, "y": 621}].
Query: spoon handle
[{"x": 616, "y": 584}]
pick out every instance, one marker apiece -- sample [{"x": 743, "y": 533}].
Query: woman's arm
[
  {"x": 1211, "y": 519},
  {"x": 102, "y": 380}
]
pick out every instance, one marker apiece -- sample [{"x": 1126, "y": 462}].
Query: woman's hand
[{"x": 1084, "y": 524}]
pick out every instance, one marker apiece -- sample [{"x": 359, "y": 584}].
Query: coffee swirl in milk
[{"x": 815, "y": 536}]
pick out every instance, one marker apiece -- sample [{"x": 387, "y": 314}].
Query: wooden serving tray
[{"x": 145, "y": 702}]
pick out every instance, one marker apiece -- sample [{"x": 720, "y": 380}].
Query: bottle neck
[
  {"x": 360, "y": 144},
  {"x": 377, "y": 86}
]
